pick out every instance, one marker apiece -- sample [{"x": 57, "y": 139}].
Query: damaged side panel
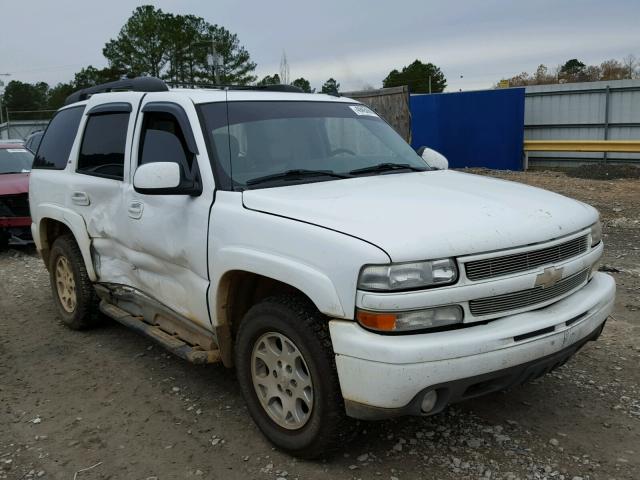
[
  {"x": 151, "y": 259},
  {"x": 154, "y": 243},
  {"x": 163, "y": 244}
]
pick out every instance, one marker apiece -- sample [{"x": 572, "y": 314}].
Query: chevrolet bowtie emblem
[{"x": 549, "y": 277}]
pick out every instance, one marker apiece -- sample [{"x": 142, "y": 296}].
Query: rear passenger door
[
  {"x": 166, "y": 239},
  {"x": 101, "y": 167}
]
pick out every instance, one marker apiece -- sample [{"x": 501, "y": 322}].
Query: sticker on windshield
[
  {"x": 16, "y": 150},
  {"x": 362, "y": 110}
]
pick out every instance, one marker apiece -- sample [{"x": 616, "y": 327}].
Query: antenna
[{"x": 284, "y": 69}]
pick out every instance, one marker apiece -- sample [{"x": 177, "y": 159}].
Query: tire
[
  {"x": 4, "y": 240},
  {"x": 292, "y": 319},
  {"x": 73, "y": 292}
]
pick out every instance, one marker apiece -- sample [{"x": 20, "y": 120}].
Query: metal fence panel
[
  {"x": 472, "y": 129},
  {"x": 607, "y": 110}
]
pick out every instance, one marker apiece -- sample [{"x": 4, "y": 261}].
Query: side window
[
  {"x": 103, "y": 145},
  {"x": 162, "y": 140},
  {"x": 56, "y": 144}
]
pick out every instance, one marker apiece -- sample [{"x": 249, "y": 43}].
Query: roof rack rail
[
  {"x": 138, "y": 84},
  {"x": 279, "y": 87},
  {"x": 153, "y": 84}
]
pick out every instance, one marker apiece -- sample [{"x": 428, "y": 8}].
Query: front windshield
[
  {"x": 15, "y": 160},
  {"x": 329, "y": 139}
]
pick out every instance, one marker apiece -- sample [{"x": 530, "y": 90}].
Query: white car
[{"x": 299, "y": 239}]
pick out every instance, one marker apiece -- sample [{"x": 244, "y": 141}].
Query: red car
[{"x": 15, "y": 220}]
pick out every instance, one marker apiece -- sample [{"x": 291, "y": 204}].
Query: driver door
[{"x": 166, "y": 232}]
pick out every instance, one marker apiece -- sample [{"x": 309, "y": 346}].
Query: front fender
[
  {"x": 310, "y": 281},
  {"x": 73, "y": 221},
  {"x": 321, "y": 263}
]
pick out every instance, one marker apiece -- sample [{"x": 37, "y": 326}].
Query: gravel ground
[{"x": 110, "y": 404}]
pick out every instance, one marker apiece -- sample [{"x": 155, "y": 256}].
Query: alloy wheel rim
[
  {"x": 282, "y": 380},
  {"x": 66, "y": 284}
]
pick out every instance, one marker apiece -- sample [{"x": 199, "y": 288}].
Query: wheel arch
[
  {"x": 55, "y": 221},
  {"x": 238, "y": 290}
]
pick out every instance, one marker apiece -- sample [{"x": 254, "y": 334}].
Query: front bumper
[{"x": 387, "y": 375}]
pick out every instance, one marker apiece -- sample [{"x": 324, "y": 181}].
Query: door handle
[
  {"x": 80, "y": 198},
  {"x": 135, "y": 209}
]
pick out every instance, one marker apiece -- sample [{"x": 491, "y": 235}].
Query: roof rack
[
  {"x": 278, "y": 87},
  {"x": 153, "y": 84},
  {"x": 138, "y": 84}
]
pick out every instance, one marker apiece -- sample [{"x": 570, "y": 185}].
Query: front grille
[
  {"x": 14, "y": 205},
  {"x": 526, "y": 298},
  {"x": 520, "y": 262}
]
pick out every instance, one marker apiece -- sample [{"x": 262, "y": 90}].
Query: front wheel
[{"x": 286, "y": 370}]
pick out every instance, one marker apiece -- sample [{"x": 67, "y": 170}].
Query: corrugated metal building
[{"x": 606, "y": 110}]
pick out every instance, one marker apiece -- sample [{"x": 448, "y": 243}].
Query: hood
[
  {"x": 14, "y": 183},
  {"x": 424, "y": 215}
]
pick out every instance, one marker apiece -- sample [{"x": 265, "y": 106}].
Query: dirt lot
[{"x": 111, "y": 400}]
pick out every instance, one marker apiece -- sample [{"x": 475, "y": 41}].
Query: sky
[{"x": 475, "y": 43}]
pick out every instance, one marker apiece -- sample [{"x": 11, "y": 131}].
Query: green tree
[
  {"x": 331, "y": 87},
  {"x": 176, "y": 47},
  {"x": 142, "y": 46},
  {"x": 236, "y": 67},
  {"x": 188, "y": 50},
  {"x": 58, "y": 94},
  {"x": 572, "y": 71},
  {"x": 303, "y": 84},
  {"x": 90, "y": 76},
  {"x": 269, "y": 80},
  {"x": 20, "y": 96},
  {"x": 416, "y": 76}
]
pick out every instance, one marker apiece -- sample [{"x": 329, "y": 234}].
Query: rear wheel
[
  {"x": 286, "y": 370},
  {"x": 73, "y": 291}
]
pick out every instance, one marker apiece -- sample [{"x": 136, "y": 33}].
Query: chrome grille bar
[
  {"x": 520, "y": 262},
  {"x": 526, "y": 298}
]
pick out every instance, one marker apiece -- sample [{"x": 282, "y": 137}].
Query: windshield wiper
[
  {"x": 385, "y": 167},
  {"x": 295, "y": 174}
]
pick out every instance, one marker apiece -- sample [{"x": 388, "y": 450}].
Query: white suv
[{"x": 299, "y": 239}]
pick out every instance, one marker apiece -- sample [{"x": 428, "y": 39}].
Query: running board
[{"x": 173, "y": 343}]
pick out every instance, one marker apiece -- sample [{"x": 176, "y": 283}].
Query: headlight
[
  {"x": 403, "y": 276},
  {"x": 596, "y": 233},
  {"x": 411, "y": 320}
]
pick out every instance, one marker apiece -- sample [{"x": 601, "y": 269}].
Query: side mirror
[
  {"x": 163, "y": 178},
  {"x": 434, "y": 159}
]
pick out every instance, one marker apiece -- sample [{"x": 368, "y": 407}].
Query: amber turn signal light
[{"x": 377, "y": 321}]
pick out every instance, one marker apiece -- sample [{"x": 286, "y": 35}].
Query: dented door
[
  {"x": 165, "y": 242},
  {"x": 101, "y": 168}
]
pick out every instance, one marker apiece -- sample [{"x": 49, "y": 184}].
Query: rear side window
[
  {"x": 56, "y": 144},
  {"x": 103, "y": 145}
]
